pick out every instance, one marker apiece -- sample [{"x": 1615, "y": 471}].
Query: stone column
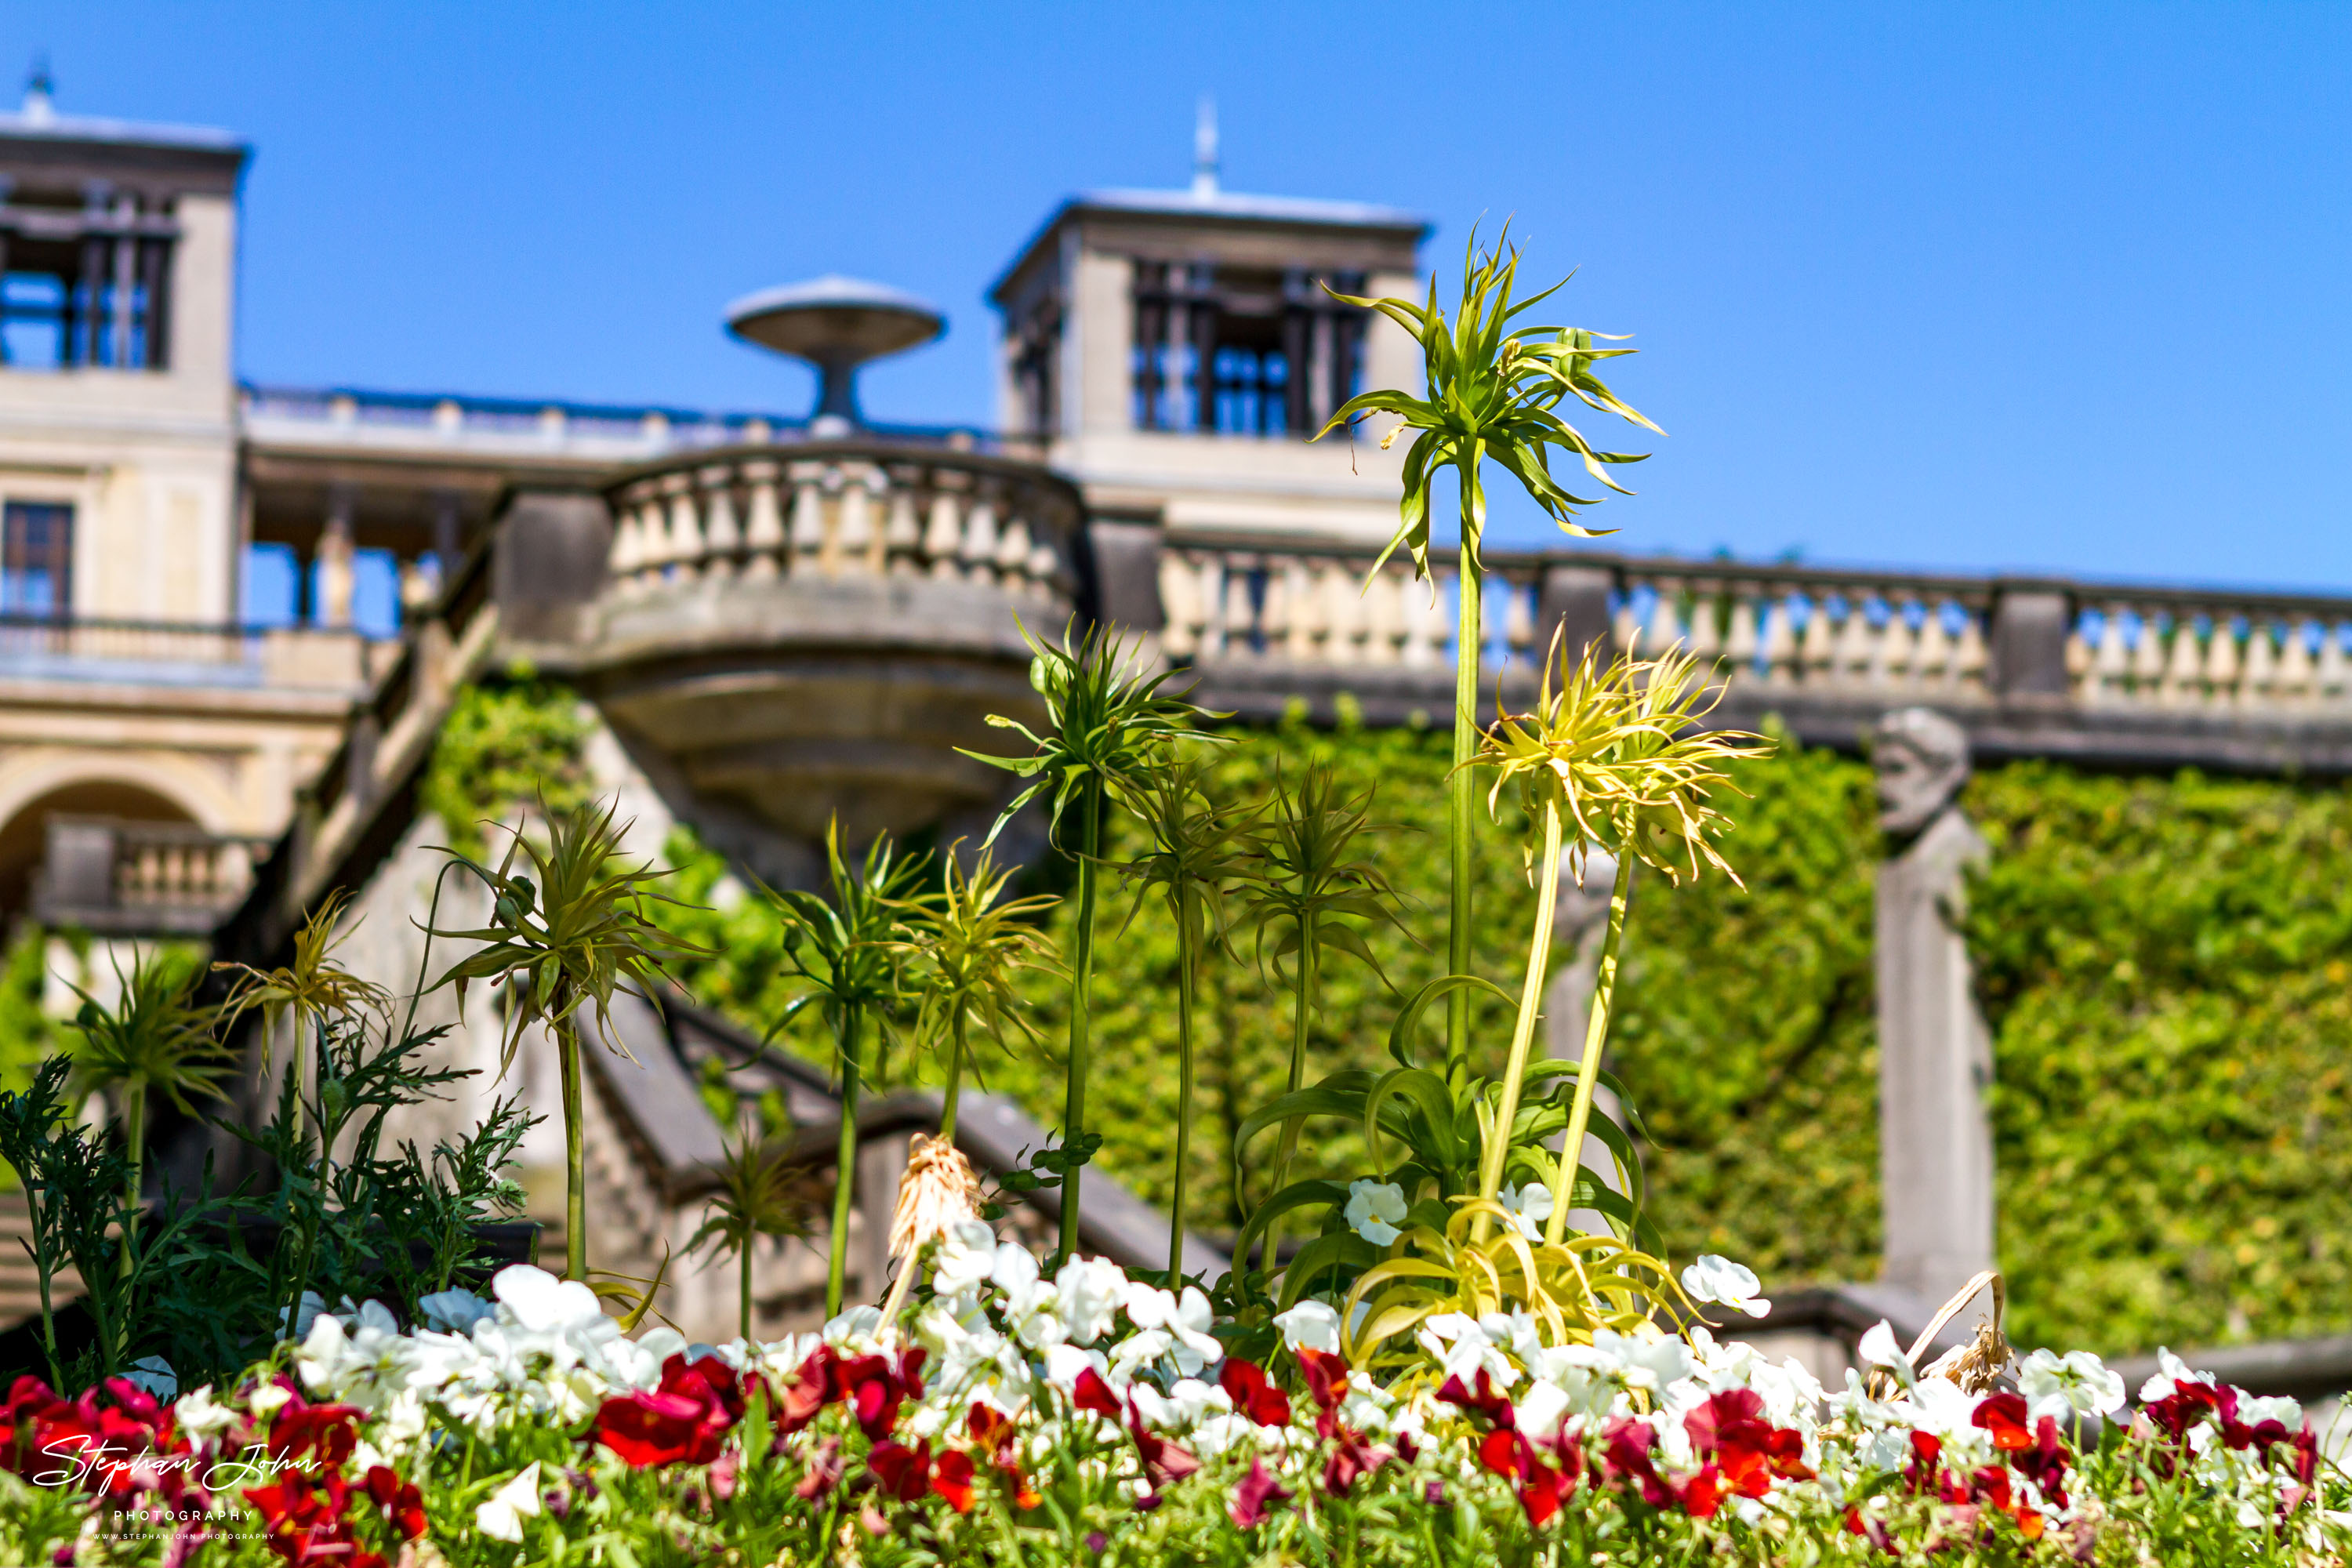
[
  {"x": 336, "y": 580},
  {"x": 1934, "y": 1057}
]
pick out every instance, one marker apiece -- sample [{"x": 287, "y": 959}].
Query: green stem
[
  {"x": 844, "y": 1169},
  {"x": 1188, "y": 942},
  {"x": 135, "y": 1145},
  {"x": 1302, "y": 1017},
  {"x": 575, "y": 1159},
  {"x": 1461, "y": 795},
  {"x": 1498, "y": 1139},
  {"x": 1082, "y": 968},
  {"x": 1588, "y": 1072},
  {"x": 743, "y": 1281},
  {"x": 955, "y": 1083}
]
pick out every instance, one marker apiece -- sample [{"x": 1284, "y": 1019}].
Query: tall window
[
  {"x": 37, "y": 559},
  {"x": 84, "y": 280},
  {"x": 1240, "y": 351}
]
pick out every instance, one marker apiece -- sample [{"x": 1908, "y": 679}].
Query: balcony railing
[
  {"x": 522, "y": 426},
  {"x": 1868, "y": 635},
  {"x": 187, "y": 653},
  {"x": 127, "y": 878},
  {"x": 850, "y": 508}
]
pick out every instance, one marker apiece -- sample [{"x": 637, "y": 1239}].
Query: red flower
[
  {"x": 994, "y": 1430},
  {"x": 812, "y": 1389},
  {"x": 1541, "y": 1487},
  {"x": 1094, "y": 1394},
  {"x": 1163, "y": 1461},
  {"x": 1483, "y": 1399},
  {"x": 1255, "y": 1495},
  {"x": 874, "y": 1388},
  {"x": 1748, "y": 1450},
  {"x": 1351, "y": 1460},
  {"x": 1625, "y": 1449},
  {"x": 2045, "y": 1462},
  {"x": 686, "y": 1419},
  {"x": 951, "y": 1479},
  {"x": 1857, "y": 1523},
  {"x": 648, "y": 1429},
  {"x": 1702, "y": 1494},
  {"x": 899, "y": 1471},
  {"x": 1327, "y": 1384},
  {"x": 1253, "y": 1394},
  {"x": 402, "y": 1501},
  {"x": 2003, "y": 1416}
]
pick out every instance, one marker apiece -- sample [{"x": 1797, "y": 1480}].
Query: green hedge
[{"x": 2163, "y": 963}]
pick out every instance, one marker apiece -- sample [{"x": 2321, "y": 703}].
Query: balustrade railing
[
  {"x": 1238, "y": 604},
  {"x": 110, "y": 875},
  {"x": 848, "y": 509}
]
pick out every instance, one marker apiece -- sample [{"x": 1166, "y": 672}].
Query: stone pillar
[
  {"x": 1934, "y": 1057},
  {"x": 336, "y": 580},
  {"x": 1574, "y": 600}
]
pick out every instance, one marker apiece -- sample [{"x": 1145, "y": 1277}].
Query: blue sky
[{"x": 1999, "y": 286}]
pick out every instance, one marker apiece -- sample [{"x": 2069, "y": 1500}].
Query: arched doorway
[{"x": 23, "y": 838}]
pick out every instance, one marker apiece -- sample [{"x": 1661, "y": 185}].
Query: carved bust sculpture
[{"x": 1922, "y": 759}]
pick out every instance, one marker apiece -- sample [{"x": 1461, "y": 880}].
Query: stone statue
[{"x": 1934, "y": 1055}]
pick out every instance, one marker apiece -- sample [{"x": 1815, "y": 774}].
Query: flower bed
[{"x": 1087, "y": 1417}]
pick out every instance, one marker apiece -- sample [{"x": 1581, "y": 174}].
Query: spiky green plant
[
  {"x": 972, "y": 945},
  {"x": 1620, "y": 755},
  {"x": 1198, "y": 848},
  {"x": 1108, "y": 725},
  {"x": 564, "y": 939},
  {"x": 850, "y": 953},
  {"x": 1306, "y": 886},
  {"x": 154, "y": 1039},
  {"x": 760, "y": 1194},
  {"x": 1493, "y": 392}
]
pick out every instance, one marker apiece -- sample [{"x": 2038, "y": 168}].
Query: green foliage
[
  {"x": 27, "y": 1033},
  {"x": 505, "y": 743},
  {"x": 2164, "y": 964}
]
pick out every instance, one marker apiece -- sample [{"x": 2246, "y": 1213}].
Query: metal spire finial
[
  {"x": 39, "y": 92},
  {"x": 1204, "y": 148}
]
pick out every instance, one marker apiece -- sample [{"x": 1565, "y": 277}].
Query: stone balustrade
[
  {"x": 835, "y": 509},
  {"x": 1884, "y": 634},
  {"x": 128, "y": 878}
]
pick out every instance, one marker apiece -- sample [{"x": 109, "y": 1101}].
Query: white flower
[
  {"x": 1089, "y": 1293},
  {"x": 1455, "y": 1341},
  {"x": 2253, "y": 1412},
  {"x": 966, "y": 1258},
  {"x": 1878, "y": 1349},
  {"x": 543, "y": 1304},
  {"x": 455, "y": 1310},
  {"x": 202, "y": 1417},
  {"x": 855, "y": 1324},
  {"x": 1311, "y": 1324},
  {"x": 1539, "y": 1411},
  {"x": 1375, "y": 1209},
  {"x": 1718, "y": 1279},
  {"x": 1640, "y": 1362},
  {"x": 1065, "y": 1363},
  {"x": 501, "y": 1517},
  {"x": 1530, "y": 1206},
  {"x": 2076, "y": 1384}
]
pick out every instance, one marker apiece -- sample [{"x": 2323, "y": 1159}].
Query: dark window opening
[
  {"x": 37, "y": 559},
  {"x": 85, "y": 285},
  {"x": 1241, "y": 351}
]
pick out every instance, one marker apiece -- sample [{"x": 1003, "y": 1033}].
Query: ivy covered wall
[{"x": 2164, "y": 963}]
